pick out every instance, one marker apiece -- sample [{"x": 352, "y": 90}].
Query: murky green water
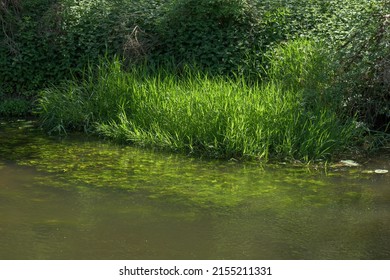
[{"x": 75, "y": 198}]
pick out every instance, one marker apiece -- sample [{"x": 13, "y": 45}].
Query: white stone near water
[
  {"x": 381, "y": 171},
  {"x": 349, "y": 163}
]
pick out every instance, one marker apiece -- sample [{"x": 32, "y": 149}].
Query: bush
[
  {"x": 217, "y": 35},
  {"x": 364, "y": 59},
  {"x": 306, "y": 66},
  {"x": 14, "y": 107},
  {"x": 44, "y": 42},
  {"x": 355, "y": 35}
]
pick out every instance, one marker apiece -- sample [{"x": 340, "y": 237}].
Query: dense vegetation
[{"x": 223, "y": 78}]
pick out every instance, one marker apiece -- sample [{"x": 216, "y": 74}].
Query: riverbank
[
  {"x": 267, "y": 81},
  {"x": 197, "y": 114}
]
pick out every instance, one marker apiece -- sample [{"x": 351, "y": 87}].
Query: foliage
[
  {"x": 217, "y": 35},
  {"x": 198, "y": 114},
  {"x": 13, "y": 107},
  {"x": 44, "y": 42},
  {"x": 306, "y": 66},
  {"x": 364, "y": 58},
  {"x": 50, "y": 38},
  {"x": 355, "y": 33}
]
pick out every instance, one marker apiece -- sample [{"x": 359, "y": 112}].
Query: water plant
[{"x": 195, "y": 113}]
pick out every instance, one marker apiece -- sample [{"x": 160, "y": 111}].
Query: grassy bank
[
  {"x": 292, "y": 115},
  {"x": 275, "y": 79}
]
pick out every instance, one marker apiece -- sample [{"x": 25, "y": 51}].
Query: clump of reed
[{"x": 293, "y": 115}]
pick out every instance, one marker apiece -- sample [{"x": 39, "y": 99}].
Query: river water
[{"x": 81, "y": 198}]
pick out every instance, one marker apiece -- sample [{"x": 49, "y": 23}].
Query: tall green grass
[{"x": 216, "y": 117}]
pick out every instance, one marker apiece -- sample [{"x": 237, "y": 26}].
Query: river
[{"x": 78, "y": 197}]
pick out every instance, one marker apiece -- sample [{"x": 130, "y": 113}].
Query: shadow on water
[{"x": 80, "y": 198}]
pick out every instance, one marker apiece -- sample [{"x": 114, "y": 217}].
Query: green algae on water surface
[
  {"x": 81, "y": 198},
  {"x": 75, "y": 162}
]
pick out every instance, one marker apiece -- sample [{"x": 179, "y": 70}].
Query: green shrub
[
  {"x": 306, "y": 66},
  {"x": 14, "y": 107},
  {"x": 364, "y": 59},
  {"x": 44, "y": 42},
  {"x": 217, "y": 35}
]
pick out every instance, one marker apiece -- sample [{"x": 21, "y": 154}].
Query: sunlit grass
[{"x": 197, "y": 114}]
